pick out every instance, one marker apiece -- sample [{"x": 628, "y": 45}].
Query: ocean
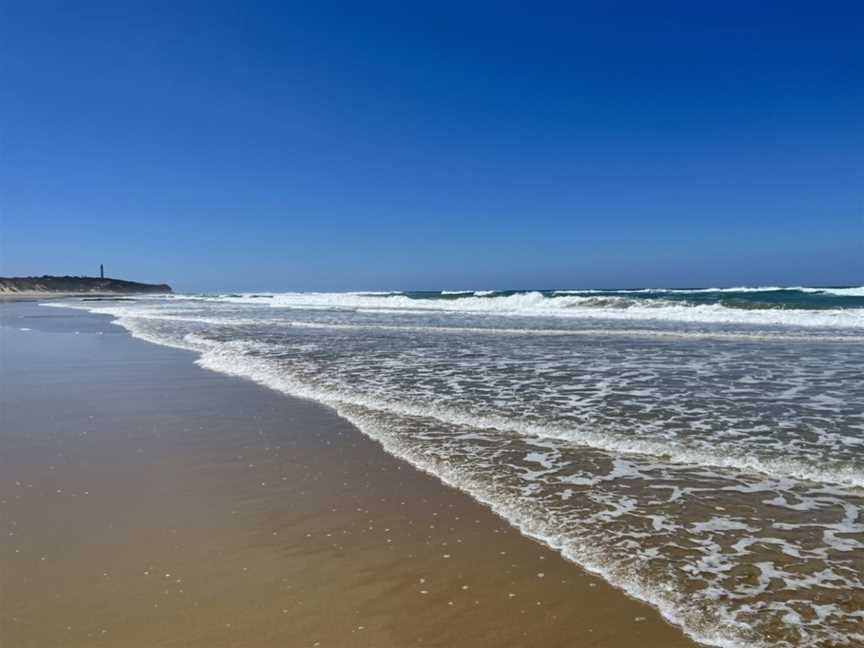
[{"x": 701, "y": 449}]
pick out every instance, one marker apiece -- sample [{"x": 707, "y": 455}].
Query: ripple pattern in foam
[{"x": 716, "y": 474}]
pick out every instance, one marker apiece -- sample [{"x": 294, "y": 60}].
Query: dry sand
[{"x": 145, "y": 501}]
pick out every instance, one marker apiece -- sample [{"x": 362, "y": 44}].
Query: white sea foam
[
  {"x": 741, "y": 336},
  {"x": 636, "y": 291},
  {"x": 673, "y": 450},
  {"x": 575, "y": 304},
  {"x": 571, "y": 306},
  {"x": 580, "y": 332},
  {"x": 840, "y": 292},
  {"x": 850, "y": 291}
]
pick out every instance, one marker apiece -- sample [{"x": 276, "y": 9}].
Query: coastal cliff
[{"x": 74, "y": 285}]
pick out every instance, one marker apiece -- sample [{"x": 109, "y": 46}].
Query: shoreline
[
  {"x": 34, "y": 295},
  {"x": 288, "y": 486}
]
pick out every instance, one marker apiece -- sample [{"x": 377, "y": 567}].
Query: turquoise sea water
[{"x": 806, "y": 298}]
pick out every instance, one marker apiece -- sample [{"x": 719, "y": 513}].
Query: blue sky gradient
[{"x": 282, "y": 146}]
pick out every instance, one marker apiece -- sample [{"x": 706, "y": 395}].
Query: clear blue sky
[{"x": 315, "y": 145}]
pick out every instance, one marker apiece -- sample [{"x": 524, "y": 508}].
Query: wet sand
[{"x": 145, "y": 501}]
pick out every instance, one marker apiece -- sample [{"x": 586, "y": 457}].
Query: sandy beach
[
  {"x": 149, "y": 502},
  {"x": 42, "y": 295},
  {"x": 457, "y": 325}
]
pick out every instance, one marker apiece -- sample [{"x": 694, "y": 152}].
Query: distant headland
[{"x": 68, "y": 285}]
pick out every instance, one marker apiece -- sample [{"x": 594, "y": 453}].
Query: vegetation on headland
[{"x": 69, "y": 284}]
